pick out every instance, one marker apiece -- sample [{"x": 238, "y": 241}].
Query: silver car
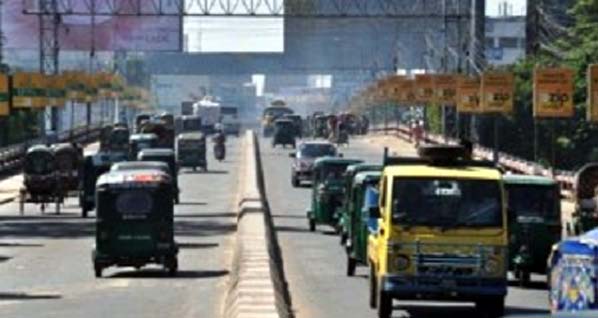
[{"x": 307, "y": 152}]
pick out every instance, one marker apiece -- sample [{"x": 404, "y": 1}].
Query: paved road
[
  {"x": 46, "y": 269},
  {"x": 315, "y": 263}
]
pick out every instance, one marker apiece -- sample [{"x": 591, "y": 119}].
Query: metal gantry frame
[{"x": 257, "y": 8}]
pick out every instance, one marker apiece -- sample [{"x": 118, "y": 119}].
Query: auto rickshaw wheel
[
  {"x": 491, "y": 307},
  {"x": 98, "y": 271},
  {"x": 312, "y": 225},
  {"x": 43, "y": 208},
  {"x": 373, "y": 289},
  {"x": 295, "y": 181},
  {"x": 22, "y": 202},
  {"x": 351, "y": 264},
  {"x": 524, "y": 278},
  {"x": 384, "y": 304},
  {"x": 172, "y": 265},
  {"x": 57, "y": 202}
]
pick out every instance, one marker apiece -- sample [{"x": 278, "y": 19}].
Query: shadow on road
[
  {"x": 296, "y": 229},
  {"x": 533, "y": 285},
  {"x": 216, "y": 172},
  {"x": 455, "y": 310},
  {"x": 289, "y": 216},
  {"x": 197, "y": 245},
  {"x": 13, "y": 244},
  {"x": 161, "y": 274},
  {"x": 26, "y": 296},
  {"x": 4, "y": 258},
  {"x": 193, "y": 203},
  {"x": 51, "y": 229},
  {"x": 206, "y": 215},
  {"x": 205, "y": 228}
]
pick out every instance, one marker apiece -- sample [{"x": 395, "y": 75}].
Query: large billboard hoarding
[{"x": 112, "y": 33}]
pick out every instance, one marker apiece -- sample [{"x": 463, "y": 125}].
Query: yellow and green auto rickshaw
[
  {"x": 135, "y": 224},
  {"x": 534, "y": 223},
  {"x": 327, "y": 190}
]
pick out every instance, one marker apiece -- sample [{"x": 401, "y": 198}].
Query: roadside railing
[
  {"x": 11, "y": 156},
  {"x": 566, "y": 179}
]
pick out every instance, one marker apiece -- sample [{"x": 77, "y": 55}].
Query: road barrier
[
  {"x": 511, "y": 163},
  {"x": 258, "y": 287},
  {"x": 11, "y": 157}
]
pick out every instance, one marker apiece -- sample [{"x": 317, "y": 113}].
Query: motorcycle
[{"x": 219, "y": 147}]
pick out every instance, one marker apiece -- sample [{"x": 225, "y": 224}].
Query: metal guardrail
[
  {"x": 566, "y": 179},
  {"x": 11, "y": 156}
]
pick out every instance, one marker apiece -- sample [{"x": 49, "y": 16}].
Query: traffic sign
[
  {"x": 497, "y": 92},
  {"x": 468, "y": 95},
  {"x": 553, "y": 92},
  {"x": 424, "y": 87},
  {"x": 592, "y": 99},
  {"x": 446, "y": 89}
]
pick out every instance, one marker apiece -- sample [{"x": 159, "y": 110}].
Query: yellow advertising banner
[
  {"x": 424, "y": 88},
  {"x": 446, "y": 89},
  {"x": 40, "y": 98},
  {"x": 407, "y": 93},
  {"x": 497, "y": 92},
  {"x": 91, "y": 88},
  {"x": 553, "y": 92},
  {"x": 592, "y": 102},
  {"x": 468, "y": 95},
  {"x": 22, "y": 90},
  {"x": 4, "y": 95},
  {"x": 56, "y": 90}
]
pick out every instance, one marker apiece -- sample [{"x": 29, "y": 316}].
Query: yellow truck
[{"x": 441, "y": 232}]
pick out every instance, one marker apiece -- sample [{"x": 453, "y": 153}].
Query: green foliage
[{"x": 434, "y": 118}]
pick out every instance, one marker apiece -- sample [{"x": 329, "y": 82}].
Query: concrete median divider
[{"x": 257, "y": 287}]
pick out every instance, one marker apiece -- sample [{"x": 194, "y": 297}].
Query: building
[{"x": 505, "y": 39}]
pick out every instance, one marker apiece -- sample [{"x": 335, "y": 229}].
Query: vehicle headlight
[
  {"x": 492, "y": 266},
  {"x": 402, "y": 262}
]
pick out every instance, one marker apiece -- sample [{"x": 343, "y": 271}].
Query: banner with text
[{"x": 553, "y": 93}]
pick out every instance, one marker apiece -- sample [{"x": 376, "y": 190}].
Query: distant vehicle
[
  {"x": 135, "y": 224},
  {"x": 213, "y": 113},
  {"x": 41, "y": 181},
  {"x": 188, "y": 124},
  {"x": 191, "y": 150},
  {"x": 138, "y": 142},
  {"x": 187, "y": 108},
  {"x": 93, "y": 167},
  {"x": 284, "y": 133},
  {"x": 140, "y": 165},
  {"x": 271, "y": 114},
  {"x": 307, "y": 153},
  {"x": 167, "y": 156}
]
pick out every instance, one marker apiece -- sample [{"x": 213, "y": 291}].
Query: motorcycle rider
[{"x": 219, "y": 142}]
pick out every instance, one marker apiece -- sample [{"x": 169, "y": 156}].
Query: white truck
[{"x": 212, "y": 113}]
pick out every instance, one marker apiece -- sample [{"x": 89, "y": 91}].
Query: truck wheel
[
  {"x": 351, "y": 264},
  {"x": 84, "y": 211},
  {"x": 491, "y": 307},
  {"x": 343, "y": 238},
  {"x": 384, "y": 305},
  {"x": 373, "y": 289},
  {"x": 312, "y": 225},
  {"x": 173, "y": 266}
]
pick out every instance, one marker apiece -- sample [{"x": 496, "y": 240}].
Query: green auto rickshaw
[
  {"x": 167, "y": 156},
  {"x": 327, "y": 190},
  {"x": 534, "y": 223},
  {"x": 362, "y": 217},
  {"x": 585, "y": 216},
  {"x": 94, "y": 166},
  {"x": 343, "y": 212},
  {"x": 135, "y": 223},
  {"x": 138, "y": 142},
  {"x": 191, "y": 150},
  {"x": 285, "y": 133}
]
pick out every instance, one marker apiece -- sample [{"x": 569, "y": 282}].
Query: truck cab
[{"x": 442, "y": 232}]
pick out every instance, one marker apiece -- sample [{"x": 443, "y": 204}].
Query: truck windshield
[
  {"x": 446, "y": 202},
  {"x": 533, "y": 200}
]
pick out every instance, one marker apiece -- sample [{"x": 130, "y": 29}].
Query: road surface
[
  {"x": 315, "y": 263},
  {"x": 46, "y": 268}
]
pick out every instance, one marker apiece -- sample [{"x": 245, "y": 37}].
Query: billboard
[
  {"x": 468, "y": 95},
  {"x": 553, "y": 92},
  {"x": 446, "y": 89},
  {"x": 4, "y": 95},
  {"x": 424, "y": 86},
  {"x": 497, "y": 92},
  {"x": 112, "y": 33}
]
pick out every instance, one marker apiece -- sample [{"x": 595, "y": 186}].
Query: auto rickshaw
[
  {"x": 105, "y": 133},
  {"x": 362, "y": 217},
  {"x": 94, "y": 166},
  {"x": 191, "y": 150},
  {"x": 140, "y": 120},
  {"x": 41, "y": 183},
  {"x": 534, "y": 223},
  {"x": 163, "y": 130},
  {"x": 69, "y": 160},
  {"x": 138, "y": 142},
  {"x": 135, "y": 224},
  {"x": 320, "y": 126},
  {"x": 284, "y": 133},
  {"x": 297, "y": 123},
  {"x": 167, "y": 156},
  {"x": 327, "y": 190},
  {"x": 572, "y": 275},
  {"x": 585, "y": 216},
  {"x": 349, "y": 174},
  {"x": 119, "y": 139}
]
